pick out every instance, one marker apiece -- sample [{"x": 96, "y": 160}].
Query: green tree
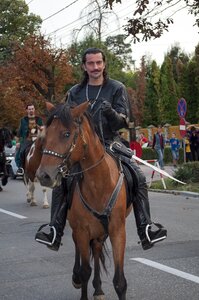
[
  {"x": 169, "y": 97},
  {"x": 15, "y": 24},
  {"x": 151, "y": 107},
  {"x": 117, "y": 44},
  {"x": 193, "y": 88}
]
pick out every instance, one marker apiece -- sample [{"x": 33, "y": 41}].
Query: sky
[{"x": 60, "y": 26}]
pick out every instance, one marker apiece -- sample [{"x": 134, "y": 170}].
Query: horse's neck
[{"x": 98, "y": 166}]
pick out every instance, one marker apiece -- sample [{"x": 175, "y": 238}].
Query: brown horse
[
  {"x": 32, "y": 161},
  {"x": 98, "y": 208}
]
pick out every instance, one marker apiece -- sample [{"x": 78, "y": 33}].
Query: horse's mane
[{"x": 63, "y": 112}]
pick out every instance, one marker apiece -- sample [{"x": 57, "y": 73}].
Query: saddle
[{"x": 122, "y": 153}]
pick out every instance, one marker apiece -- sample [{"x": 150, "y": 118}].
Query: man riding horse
[
  {"x": 110, "y": 111},
  {"x": 27, "y": 133}
]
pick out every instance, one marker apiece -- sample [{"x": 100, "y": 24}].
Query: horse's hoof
[
  {"x": 28, "y": 200},
  {"x": 46, "y": 206},
  {"x": 33, "y": 204},
  {"x": 76, "y": 285},
  {"x": 99, "y": 297}
]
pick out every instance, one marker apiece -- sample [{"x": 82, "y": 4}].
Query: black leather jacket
[{"x": 113, "y": 91}]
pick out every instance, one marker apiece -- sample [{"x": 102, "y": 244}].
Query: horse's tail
[{"x": 103, "y": 253}]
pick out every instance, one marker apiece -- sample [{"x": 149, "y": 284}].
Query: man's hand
[
  {"x": 17, "y": 145},
  {"x": 106, "y": 106}
]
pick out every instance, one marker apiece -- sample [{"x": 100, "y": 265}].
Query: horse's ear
[
  {"x": 77, "y": 111},
  {"x": 49, "y": 106}
]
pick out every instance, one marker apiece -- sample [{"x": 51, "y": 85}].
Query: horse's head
[{"x": 65, "y": 143}]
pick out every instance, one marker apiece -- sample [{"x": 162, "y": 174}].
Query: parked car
[{"x": 10, "y": 162}]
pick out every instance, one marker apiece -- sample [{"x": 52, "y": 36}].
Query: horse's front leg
[
  {"x": 83, "y": 244},
  {"x": 76, "y": 281},
  {"x": 97, "y": 283},
  {"x": 45, "y": 198},
  {"x": 30, "y": 193},
  {"x": 118, "y": 241}
]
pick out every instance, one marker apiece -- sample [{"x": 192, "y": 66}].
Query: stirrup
[
  {"x": 159, "y": 226},
  {"x": 54, "y": 235}
]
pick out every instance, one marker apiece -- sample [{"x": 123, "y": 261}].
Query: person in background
[
  {"x": 158, "y": 145},
  {"x": 187, "y": 147},
  {"x": 143, "y": 140},
  {"x": 27, "y": 133},
  {"x": 175, "y": 146},
  {"x": 194, "y": 143}
]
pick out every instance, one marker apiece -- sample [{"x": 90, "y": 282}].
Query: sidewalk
[{"x": 170, "y": 170}]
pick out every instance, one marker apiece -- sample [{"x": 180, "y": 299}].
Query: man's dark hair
[
  {"x": 85, "y": 74},
  {"x": 29, "y": 104}
]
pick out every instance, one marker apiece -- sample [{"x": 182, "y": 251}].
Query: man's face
[
  {"x": 94, "y": 65},
  {"x": 31, "y": 111},
  {"x": 159, "y": 129}
]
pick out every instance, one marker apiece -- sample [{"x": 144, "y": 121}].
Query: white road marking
[
  {"x": 12, "y": 214},
  {"x": 164, "y": 268}
]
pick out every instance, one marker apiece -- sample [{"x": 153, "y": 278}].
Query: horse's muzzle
[
  {"x": 44, "y": 178},
  {"x": 47, "y": 179}
]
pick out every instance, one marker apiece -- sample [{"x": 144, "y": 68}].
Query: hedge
[{"x": 149, "y": 153}]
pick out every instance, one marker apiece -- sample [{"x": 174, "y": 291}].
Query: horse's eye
[{"x": 66, "y": 134}]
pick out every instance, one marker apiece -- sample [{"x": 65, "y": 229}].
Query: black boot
[
  {"x": 59, "y": 213},
  {"x": 52, "y": 239},
  {"x": 148, "y": 237}
]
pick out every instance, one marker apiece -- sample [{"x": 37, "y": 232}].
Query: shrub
[
  {"x": 149, "y": 153},
  {"x": 188, "y": 172}
]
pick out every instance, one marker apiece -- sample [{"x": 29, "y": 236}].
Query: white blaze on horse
[{"x": 32, "y": 162}]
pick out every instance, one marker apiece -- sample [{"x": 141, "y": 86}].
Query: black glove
[
  {"x": 106, "y": 107},
  {"x": 116, "y": 121}
]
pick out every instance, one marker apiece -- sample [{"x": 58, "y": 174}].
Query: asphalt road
[{"x": 30, "y": 271}]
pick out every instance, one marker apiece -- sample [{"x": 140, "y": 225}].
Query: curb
[{"x": 174, "y": 192}]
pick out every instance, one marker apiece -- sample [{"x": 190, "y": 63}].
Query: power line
[
  {"x": 30, "y": 2},
  {"x": 60, "y": 10},
  {"x": 82, "y": 17},
  {"x": 68, "y": 33}
]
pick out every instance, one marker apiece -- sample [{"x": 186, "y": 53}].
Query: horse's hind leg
[
  {"x": 118, "y": 241},
  {"x": 45, "y": 199},
  {"x": 97, "y": 283}
]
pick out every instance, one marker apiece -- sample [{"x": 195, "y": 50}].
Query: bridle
[{"x": 63, "y": 168}]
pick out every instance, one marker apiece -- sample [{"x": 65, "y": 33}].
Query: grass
[{"x": 171, "y": 185}]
